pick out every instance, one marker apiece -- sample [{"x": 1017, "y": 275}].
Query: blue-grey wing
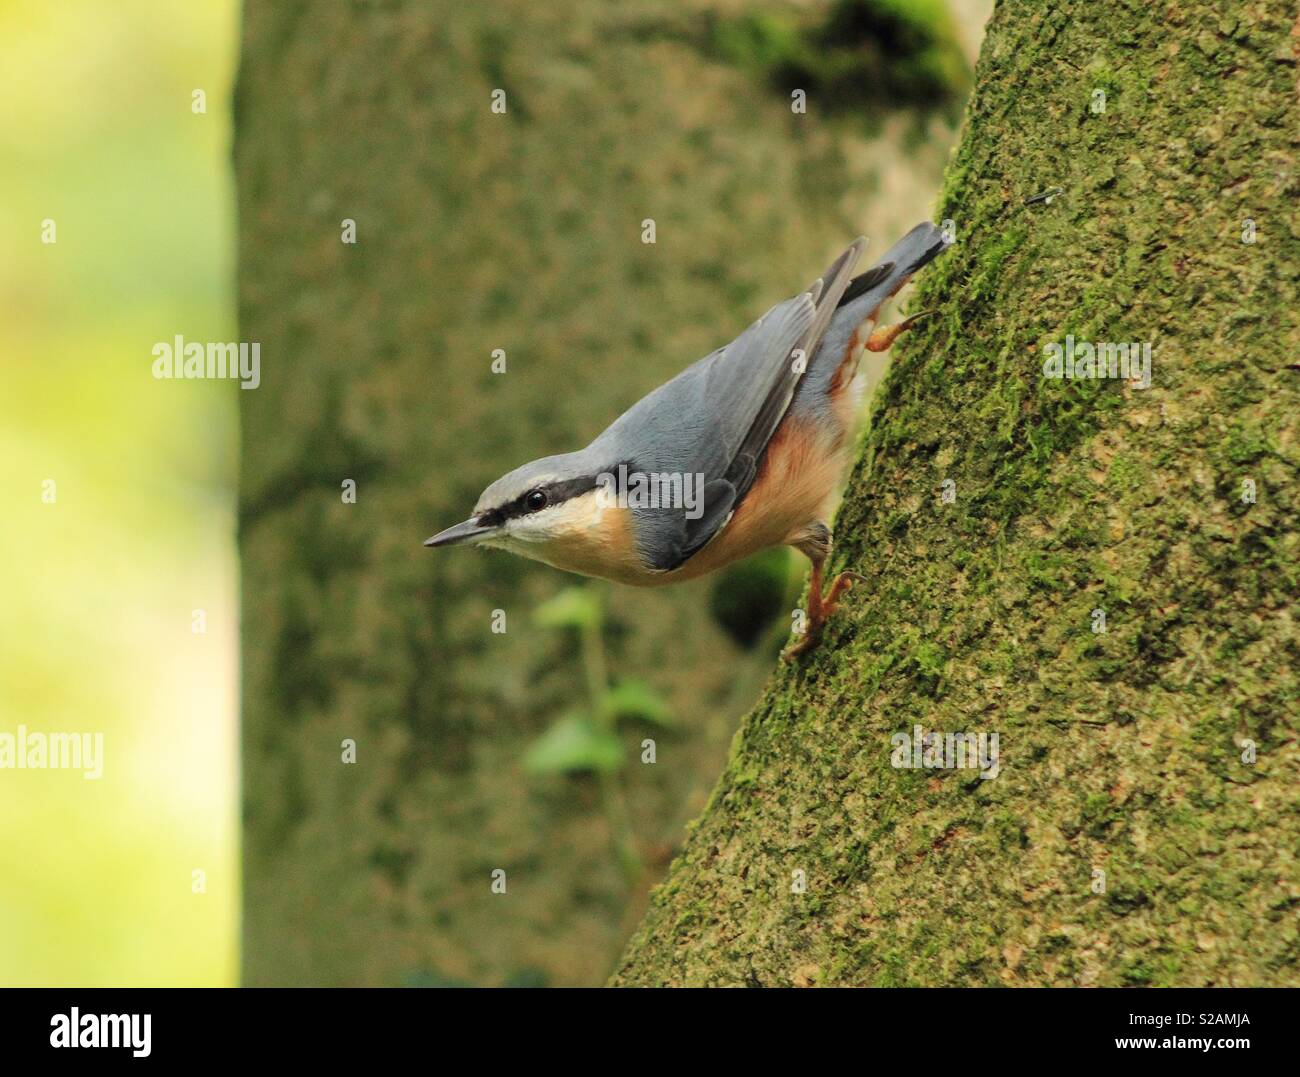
[{"x": 714, "y": 420}]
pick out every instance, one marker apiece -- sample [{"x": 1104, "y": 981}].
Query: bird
[{"x": 743, "y": 450}]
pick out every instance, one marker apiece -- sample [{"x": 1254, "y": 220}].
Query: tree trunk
[
  {"x": 1128, "y": 838},
  {"x": 477, "y": 230}
]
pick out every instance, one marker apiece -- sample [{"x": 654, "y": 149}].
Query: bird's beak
[{"x": 466, "y": 532}]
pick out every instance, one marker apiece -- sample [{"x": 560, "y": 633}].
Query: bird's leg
[
  {"x": 882, "y": 337},
  {"x": 820, "y": 604}
]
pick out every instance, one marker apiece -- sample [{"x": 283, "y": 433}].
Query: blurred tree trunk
[
  {"x": 1127, "y": 838},
  {"x": 477, "y": 231}
]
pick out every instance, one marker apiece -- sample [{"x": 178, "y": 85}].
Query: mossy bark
[
  {"x": 1127, "y": 838},
  {"x": 477, "y": 231}
]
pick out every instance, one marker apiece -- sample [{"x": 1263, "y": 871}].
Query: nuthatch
[{"x": 760, "y": 432}]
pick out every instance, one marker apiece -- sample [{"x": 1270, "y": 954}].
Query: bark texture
[
  {"x": 477, "y": 231},
  {"x": 1125, "y": 840}
]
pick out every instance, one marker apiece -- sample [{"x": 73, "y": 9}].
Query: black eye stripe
[{"x": 556, "y": 493}]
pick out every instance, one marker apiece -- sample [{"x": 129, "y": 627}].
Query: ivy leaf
[
  {"x": 574, "y": 607},
  {"x": 636, "y": 699},
  {"x": 572, "y": 745}
]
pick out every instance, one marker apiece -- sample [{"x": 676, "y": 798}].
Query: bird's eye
[{"x": 535, "y": 500}]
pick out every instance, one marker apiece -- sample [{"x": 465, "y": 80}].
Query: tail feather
[
  {"x": 862, "y": 300},
  {"x": 864, "y": 282},
  {"x": 918, "y": 248}
]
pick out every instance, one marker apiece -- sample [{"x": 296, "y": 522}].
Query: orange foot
[
  {"x": 885, "y": 335},
  {"x": 820, "y": 607}
]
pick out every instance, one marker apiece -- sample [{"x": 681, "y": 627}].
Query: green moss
[{"x": 1120, "y": 752}]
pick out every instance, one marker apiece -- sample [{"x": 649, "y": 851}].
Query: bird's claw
[
  {"x": 883, "y": 336},
  {"x": 843, "y": 582},
  {"x": 820, "y": 607},
  {"x": 807, "y": 642}
]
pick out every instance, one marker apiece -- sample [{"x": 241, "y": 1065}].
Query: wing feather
[{"x": 726, "y": 409}]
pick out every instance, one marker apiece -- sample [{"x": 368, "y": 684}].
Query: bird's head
[{"x": 538, "y": 509}]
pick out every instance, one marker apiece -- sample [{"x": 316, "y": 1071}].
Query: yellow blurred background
[{"x": 100, "y": 135}]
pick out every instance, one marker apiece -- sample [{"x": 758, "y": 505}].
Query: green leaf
[
  {"x": 574, "y": 607},
  {"x": 636, "y": 699},
  {"x": 574, "y": 744}
]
